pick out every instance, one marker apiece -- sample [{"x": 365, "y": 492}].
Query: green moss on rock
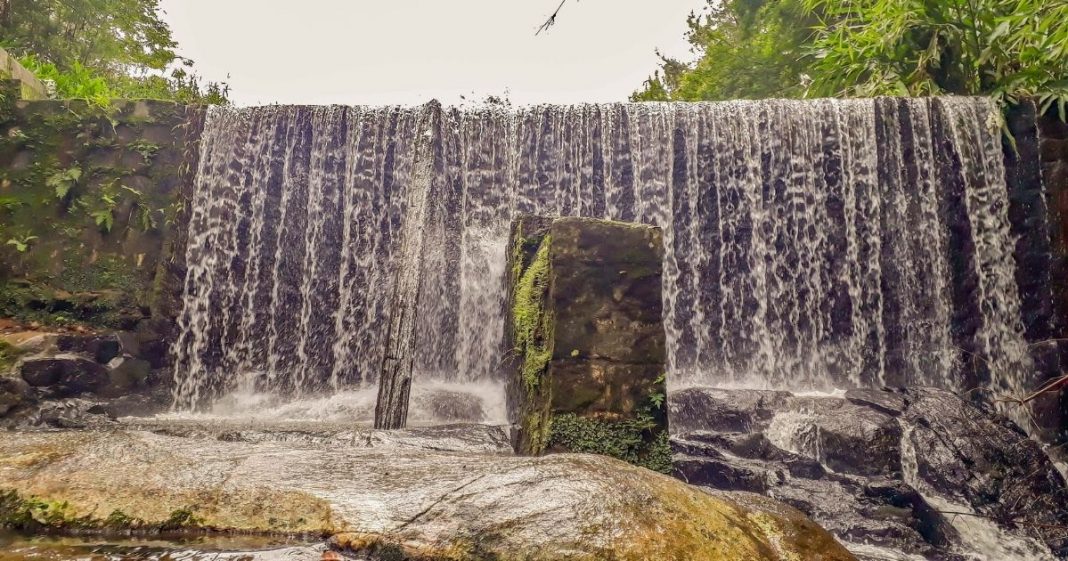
[
  {"x": 32, "y": 514},
  {"x": 34, "y": 302},
  {"x": 532, "y": 322},
  {"x": 532, "y": 327},
  {"x": 9, "y": 355}
]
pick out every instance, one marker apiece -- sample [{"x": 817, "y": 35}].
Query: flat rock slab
[{"x": 564, "y": 506}]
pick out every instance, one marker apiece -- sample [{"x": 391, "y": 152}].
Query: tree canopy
[
  {"x": 94, "y": 48},
  {"x": 746, "y": 48},
  {"x": 807, "y": 48}
]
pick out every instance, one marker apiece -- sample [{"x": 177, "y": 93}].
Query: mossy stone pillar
[{"x": 588, "y": 338}]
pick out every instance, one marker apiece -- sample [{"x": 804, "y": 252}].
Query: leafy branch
[
  {"x": 22, "y": 244},
  {"x": 62, "y": 182}
]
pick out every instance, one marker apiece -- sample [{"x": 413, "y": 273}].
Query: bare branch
[{"x": 552, "y": 19}]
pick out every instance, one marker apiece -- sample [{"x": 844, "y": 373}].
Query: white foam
[{"x": 354, "y": 405}]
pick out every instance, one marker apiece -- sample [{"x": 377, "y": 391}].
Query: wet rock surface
[
  {"x": 893, "y": 474},
  {"x": 63, "y": 374},
  {"x": 68, "y": 379},
  {"x": 442, "y": 493}
]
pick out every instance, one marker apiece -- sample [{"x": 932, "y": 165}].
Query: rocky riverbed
[{"x": 908, "y": 474}]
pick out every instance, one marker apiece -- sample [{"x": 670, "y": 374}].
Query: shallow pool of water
[{"x": 16, "y": 547}]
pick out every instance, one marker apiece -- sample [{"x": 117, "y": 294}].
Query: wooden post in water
[{"x": 395, "y": 378}]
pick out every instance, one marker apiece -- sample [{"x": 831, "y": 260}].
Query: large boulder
[
  {"x": 109, "y": 366},
  {"x": 446, "y": 406},
  {"x": 63, "y": 374},
  {"x": 920, "y": 472},
  {"x": 403, "y": 498}
]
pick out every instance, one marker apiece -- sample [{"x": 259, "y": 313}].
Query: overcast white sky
[{"x": 410, "y": 51}]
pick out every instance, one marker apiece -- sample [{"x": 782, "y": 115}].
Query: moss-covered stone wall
[
  {"x": 91, "y": 199},
  {"x": 588, "y": 339}
]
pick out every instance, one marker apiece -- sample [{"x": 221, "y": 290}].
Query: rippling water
[{"x": 15, "y": 547}]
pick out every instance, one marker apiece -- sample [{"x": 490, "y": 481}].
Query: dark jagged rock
[
  {"x": 878, "y": 468},
  {"x": 102, "y": 348},
  {"x": 72, "y": 413},
  {"x": 889, "y": 402},
  {"x": 722, "y": 473},
  {"x": 988, "y": 463},
  {"x": 149, "y": 341},
  {"x": 723, "y": 410},
  {"x": 126, "y": 366},
  {"x": 64, "y": 374}
]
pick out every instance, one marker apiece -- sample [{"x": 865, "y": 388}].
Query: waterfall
[{"x": 810, "y": 244}]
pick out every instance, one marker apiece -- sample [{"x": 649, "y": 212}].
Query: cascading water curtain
[{"x": 810, "y": 244}]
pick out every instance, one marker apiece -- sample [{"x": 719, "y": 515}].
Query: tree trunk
[{"x": 395, "y": 379}]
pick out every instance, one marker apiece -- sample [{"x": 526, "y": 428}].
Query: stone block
[
  {"x": 586, "y": 327},
  {"x": 30, "y": 87}
]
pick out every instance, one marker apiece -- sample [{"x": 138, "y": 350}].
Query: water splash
[
  {"x": 432, "y": 403},
  {"x": 809, "y": 244}
]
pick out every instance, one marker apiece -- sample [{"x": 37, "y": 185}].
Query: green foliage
[
  {"x": 77, "y": 82},
  {"x": 22, "y": 244},
  {"x": 104, "y": 218},
  {"x": 641, "y": 440},
  {"x": 103, "y": 49},
  {"x": 1002, "y": 48},
  {"x": 146, "y": 149},
  {"x": 9, "y": 203},
  {"x": 807, "y": 48},
  {"x": 532, "y": 324},
  {"x": 146, "y": 216},
  {"x": 19, "y": 513},
  {"x": 119, "y": 520},
  {"x": 108, "y": 35},
  {"x": 638, "y": 441},
  {"x": 532, "y": 327},
  {"x": 9, "y": 355},
  {"x": 181, "y": 519},
  {"x": 746, "y": 48},
  {"x": 63, "y": 181},
  {"x": 658, "y": 398},
  {"x": 179, "y": 84},
  {"x": 33, "y": 514},
  {"x": 104, "y": 214}
]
